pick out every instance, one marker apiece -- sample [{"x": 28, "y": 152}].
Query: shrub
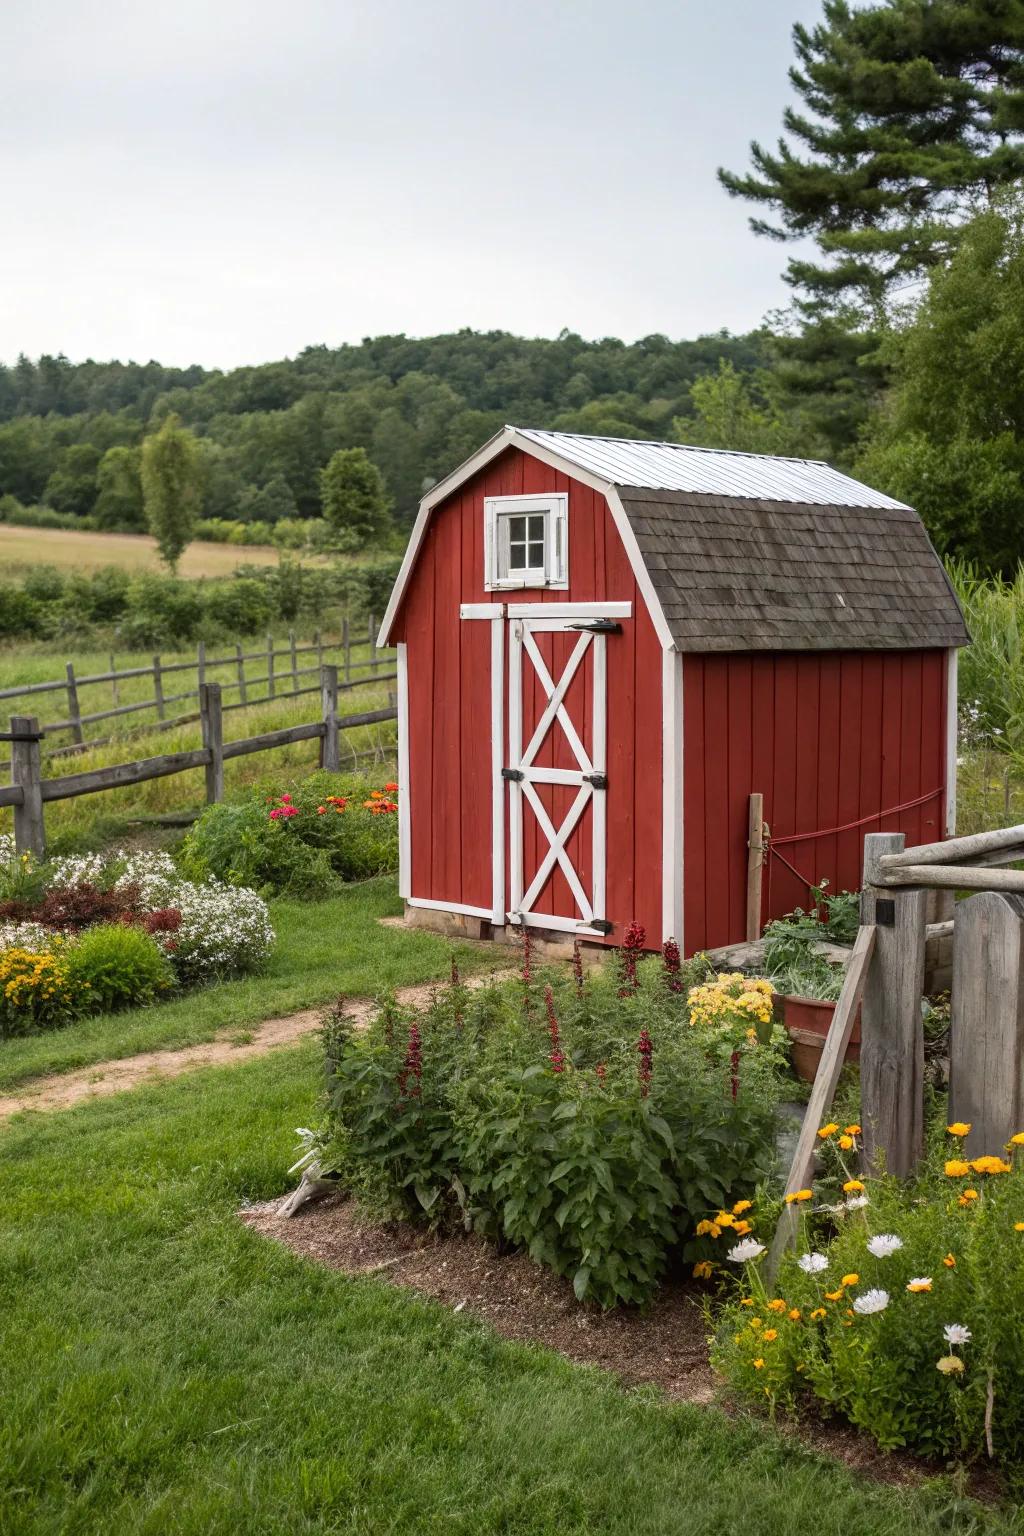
[
  {"x": 584, "y": 1120},
  {"x": 901, "y": 1309},
  {"x": 35, "y": 992},
  {"x": 222, "y": 931},
  {"x": 118, "y": 966},
  {"x": 80, "y": 905},
  {"x": 298, "y": 843}
]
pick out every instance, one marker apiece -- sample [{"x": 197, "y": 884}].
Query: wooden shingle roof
[{"x": 745, "y": 574}]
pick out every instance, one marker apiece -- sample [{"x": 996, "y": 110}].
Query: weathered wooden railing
[
  {"x": 29, "y": 791},
  {"x": 885, "y": 977}
]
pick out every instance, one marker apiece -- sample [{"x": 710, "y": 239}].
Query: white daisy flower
[
  {"x": 956, "y": 1333},
  {"x": 748, "y": 1249},
  {"x": 884, "y": 1245},
  {"x": 874, "y": 1300},
  {"x": 857, "y": 1202},
  {"x": 812, "y": 1263}
]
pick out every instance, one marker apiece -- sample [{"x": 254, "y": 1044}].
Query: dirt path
[{"x": 104, "y": 1078}]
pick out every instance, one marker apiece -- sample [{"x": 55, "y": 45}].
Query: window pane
[
  {"x": 517, "y": 527},
  {"x": 536, "y": 522},
  {"x": 536, "y": 560},
  {"x": 517, "y": 557}
]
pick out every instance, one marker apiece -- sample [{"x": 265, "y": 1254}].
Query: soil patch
[
  {"x": 665, "y": 1347},
  {"x": 104, "y": 1078}
]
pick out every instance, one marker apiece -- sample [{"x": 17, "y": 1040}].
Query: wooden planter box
[{"x": 807, "y": 1020}]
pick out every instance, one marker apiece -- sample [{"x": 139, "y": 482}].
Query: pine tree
[{"x": 914, "y": 118}]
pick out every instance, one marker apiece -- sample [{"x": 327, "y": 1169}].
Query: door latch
[
  {"x": 599, "y": 626},
  {"x": 515, "y": 774},
  {"x": 599, "y": 780},
  {"x": 599, "y": 924}
]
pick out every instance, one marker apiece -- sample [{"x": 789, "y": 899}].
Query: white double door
[{"x": 556, "y": 771}]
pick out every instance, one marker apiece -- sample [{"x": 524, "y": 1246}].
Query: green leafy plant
[
  {"x": 118, "y": 966},
  {"x": 35, "y": 990}
]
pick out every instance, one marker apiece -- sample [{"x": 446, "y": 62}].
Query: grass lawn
[
  {"x": 168, "y": 1371},
  {"x": 323, "y": 948},
  {"x": 71, "y": 550}
]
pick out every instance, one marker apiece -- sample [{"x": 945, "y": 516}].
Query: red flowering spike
[
  {"x": 412, "y": 1067},
  {"x": 673, "y": 963},
  {"x": 734, "y": 1073},
  {"x": 577, "y": 964}
]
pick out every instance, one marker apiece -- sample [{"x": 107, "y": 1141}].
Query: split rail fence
[
  {"x": 283, "y": 673},
  {"x": 29, "y": 792},
  {"x": 885, "y": 979}
]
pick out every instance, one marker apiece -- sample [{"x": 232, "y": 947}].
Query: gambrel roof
[{"x": 745, "y": 552}]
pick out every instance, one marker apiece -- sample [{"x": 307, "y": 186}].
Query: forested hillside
[{"x": 70, "y": 433}]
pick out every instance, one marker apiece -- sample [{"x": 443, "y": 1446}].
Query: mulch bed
[{"x": 665, "y": 1346}]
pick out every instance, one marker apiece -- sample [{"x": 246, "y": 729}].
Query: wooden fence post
[
  {"x": 295, "y": 661},
  {"x": 271, "y": 686},
  {"x": 330, "y": 756},
  {"x": 346, "y": 645},
  {"x": 200, "y": 668},
  {"x": 755, "y": 864},
  {"x": 74, "y": 709},
  {"x": 212, "y": 724},
  {"x": 26, "y": 770},
  {"x": 371, "y": 640},
  {"x": 158, "y": 689},
  {"x": 892, "y": 1033},
  {"x": 319, "y": 643},
  {"x": 986, "y": 1036},
  {"x": 115, "y": 692},
  {"x": 240, "y": 670}
]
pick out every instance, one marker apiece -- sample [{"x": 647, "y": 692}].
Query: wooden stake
[
  {"x": 74, "y": 710},
  {"x": 330, "y": 756},
  {"x": 26, "y": 771},
  {"x": 755, "y": 865},
  {"x": 240, "y": 672},
  {"x": 212, "y": 725},
  {"x": 158, "y": 689},
  {"x": 271, "y": 686}
]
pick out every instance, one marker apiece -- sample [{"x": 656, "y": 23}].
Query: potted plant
[{"x": 802, "y": 961}]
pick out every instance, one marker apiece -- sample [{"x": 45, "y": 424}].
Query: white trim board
[
  {"x": 952, "y": 661},
  {"x": 448, "y": 906},
  {"x": 509, "y": 437},
  {"x": 404, "y": 815},
  {"x": 672, "y": 797}
]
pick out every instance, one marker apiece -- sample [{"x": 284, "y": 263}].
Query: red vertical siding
[
  {"x": 449, "y": 673},
  {"x": 827, "y": 738}
]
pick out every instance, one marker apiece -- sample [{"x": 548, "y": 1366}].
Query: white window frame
[{"x": 555, "y": 509}]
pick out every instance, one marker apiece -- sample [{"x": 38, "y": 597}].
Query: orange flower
[
  {"x": 391, "y": 788},
  {"x": 757, "y": 1364},
  {"x": 799, "y": 1195},
  {"x": 849, "y": 1280},
  {"x": 828, "y": 1130},
  {"x": 770, "y": 1335},
  {"x": 778, "y": 1305},
  {"x": 703, "y": 1270},
  {"x": 834, "y": 1295},
  {"x": 794, "y": 1314},
  {"x": 818, "y": 1313},
  {"x": 967, "y": 1196},
  {"x": 741, "y": 1206},
  {"x": 852, "y": 1130},
  {"x": 950, "y": 1261},
  {"x": 846, "y": 1142}
]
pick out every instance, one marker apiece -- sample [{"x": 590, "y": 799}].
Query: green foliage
[
  {"x": 301, "y": 844},
  {"x": 585, "y": 1124},
  {"x": 172, "y": 485},
  {"x": 36, "y": 993},
  {"x": 739, "y": 412},
  {"x": 888, "y": 1371},
  {"x": 119, "y": 501},
  {"x": 119, "y": 966},
  {"x": 355, "y": 503},
  {"x": 789, "y": 944},
  {"x": 914, "y": 111}
]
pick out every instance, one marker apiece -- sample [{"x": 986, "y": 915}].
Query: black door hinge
[
  {"x": 599, "y": 780},
  {"x": 515, "y": 774},
  {"x": 599, "y": 924},
  {"x": 599, "y": 626}
]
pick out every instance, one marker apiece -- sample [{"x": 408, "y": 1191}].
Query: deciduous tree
[{"x": 172, "y": 487}]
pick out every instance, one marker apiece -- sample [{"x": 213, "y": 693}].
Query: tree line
[{"x": 898, "y": 359}]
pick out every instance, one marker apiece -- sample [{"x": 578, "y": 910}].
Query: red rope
[{"x": 771, "y": 848}]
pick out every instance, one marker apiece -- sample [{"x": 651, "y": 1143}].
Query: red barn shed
[{"x": 605, "y": 646}]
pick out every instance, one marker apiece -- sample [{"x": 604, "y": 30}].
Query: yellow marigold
[
  {"x": 852, "y": 1187},
  {"x": 747, "y": 1301},
  {"x": 849, "y": 1280},
  {"x": 778, "y": 1305},
  {"x": 708, "y": 1229},
  {"x": 1018, "y": 1226},
  {"x": 756, "y": 1322},
  {"x": 757, "y": 1364},
  {"x": 834, "y": 1295},
  {"x": 742, "y": 1228},
  {"x": 956, "y": 1169},
  {"x": 703, "y": 1270},
  {"x": 846, "y": 1142},
  {"x": 950, "y": 1261},
  {"x": 794, "y": 1314},
  {"x": 818, "y": 1313},
  {"x": 852, "y": 1130},
  {"x": 741, "y": 1206},
  {"x": 991, "y": 1165},
  {"x": 799, "y": 1195},
  {"x": 828, "y": 1130},
  {"x": 967, "y": 1196},
  {"x": 1016, "y": 1140},
  {"x": 959, "y": 1128},
  {"x": 770, "y": 1335},
  {"x": 725, "y": 1219}
]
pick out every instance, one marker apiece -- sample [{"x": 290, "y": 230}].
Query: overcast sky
[{"x": 228, "y": 181}]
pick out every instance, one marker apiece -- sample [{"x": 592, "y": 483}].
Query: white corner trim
[
  {"x": 497, "y": 763},
  {"x": 508, "y": 437},
  {"x": 404, "y": 815},
  {"x": 672, "y": 796},
  {"x": 448, "y": 906},
  {"x": 952, "y": 659}
]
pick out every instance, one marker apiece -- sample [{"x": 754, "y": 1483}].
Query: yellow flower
[
  {"x": 967, "y": 1196},
  {"x": 778, "y": 1305},
  {"x": 794, "y": 1314},
  {"x": 852, "y": 1130},
  {"x": 748, "y": 1301},
  {"x": 725, "y": 1219},
  {"x": 959, "y": 1128},
  {"x": 846, "y": 1142},
  {"x": 742, "y": 1228},
  {"x": 757, "y": 1364},
  {"x": 852, "y": 1186},
  {"x": 849, "y": 1280},
  {"x": 706, "y": 1228},
  {"x": 955, "y": 1169},
  {"x": 828, "y": 1130},
  {"x": 741, "y": 1206},
  {"x": 948, "y": 1364},
  {"x": 1018, "y": 1226},
  {"x": 703, "y": 1270},
  {"x": 770, "y": 1334},
  {"x": 919, "y": 1285},
  {"x": 834, "y": 1295},
  {"x": 950, "y": 1261},
  {"x": 1017, "y": 1140},
  {"x": 818, "y": 1313},
  {"x": 800, "y": 1195},
  {"x": 755, "y": 1322},
  {"x": 991, "y": 1165}
]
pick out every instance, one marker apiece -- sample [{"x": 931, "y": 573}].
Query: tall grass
[{"x": 991, "y": 668}]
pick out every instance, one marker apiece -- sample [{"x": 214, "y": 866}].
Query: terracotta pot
[{"x": 807, "y": 1020}]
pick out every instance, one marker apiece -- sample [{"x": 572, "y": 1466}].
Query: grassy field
[
  {"x": 21, "y": 548},
  {"x": 323, "y": 949},
  {"x": 169, "y": 1373}
]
